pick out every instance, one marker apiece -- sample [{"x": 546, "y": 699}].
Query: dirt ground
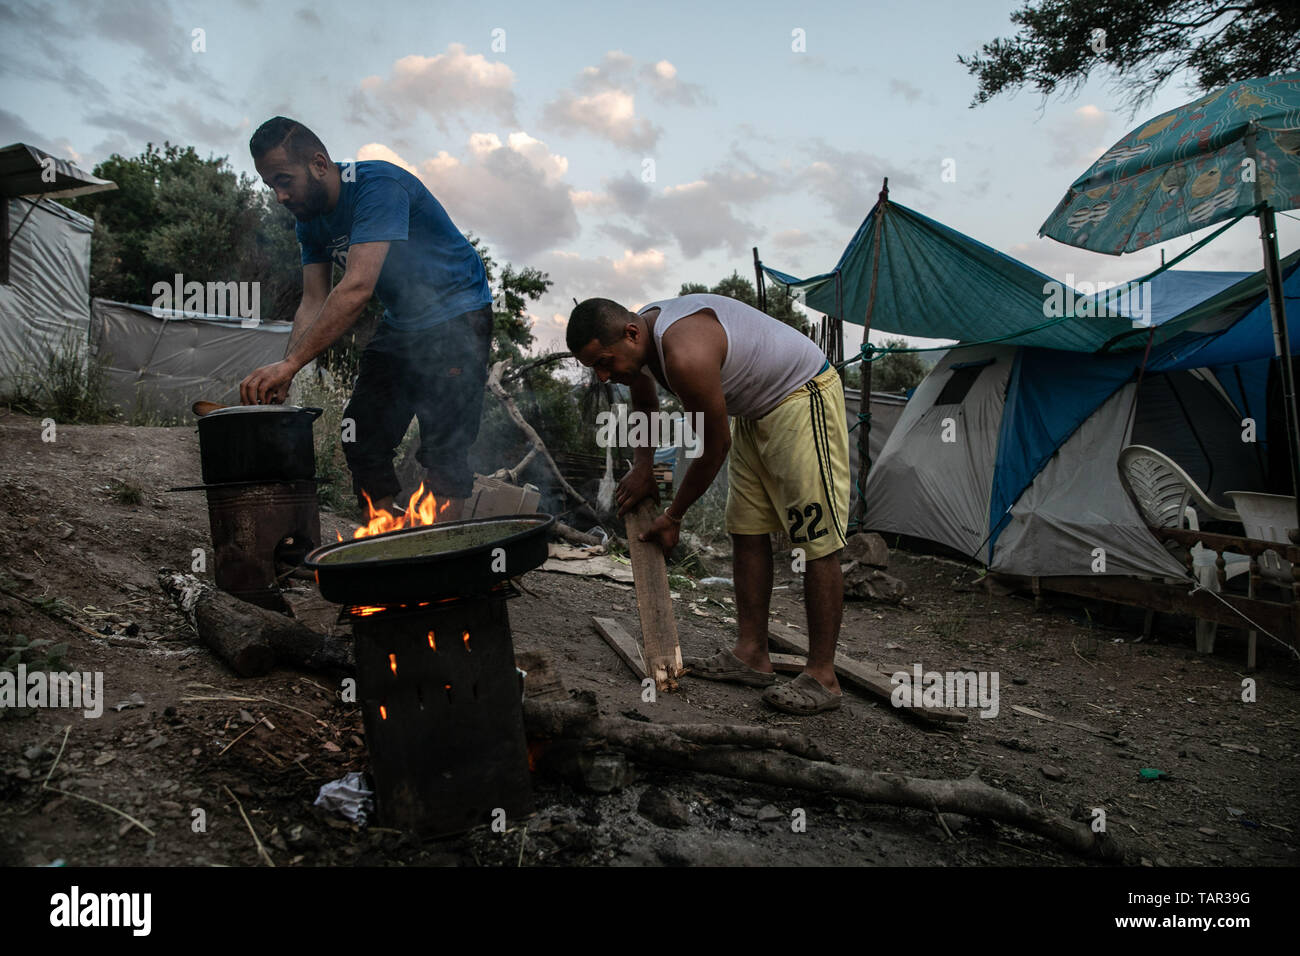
[{"x": 68, "y": 531}]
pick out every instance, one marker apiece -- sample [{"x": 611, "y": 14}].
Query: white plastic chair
[{"x": 1164, "y": 494}]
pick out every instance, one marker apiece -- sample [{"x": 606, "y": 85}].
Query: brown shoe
[
  {"x": 803, "y": 696},
  {"x": 726, "y": 666}
]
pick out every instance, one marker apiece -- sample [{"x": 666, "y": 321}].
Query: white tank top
[{"x": 766, "y": 359}]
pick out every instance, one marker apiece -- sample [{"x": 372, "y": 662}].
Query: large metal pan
[{"x": 449, "y": 559}]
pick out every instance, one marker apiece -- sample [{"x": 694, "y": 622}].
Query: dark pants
[{"x": 436, "y": 375}]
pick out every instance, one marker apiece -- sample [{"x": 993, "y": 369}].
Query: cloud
[
  {"x": 441, "y": 86},
  {"x": 905, "y": 90},
  {"x": 633, "y": 279},
  {"x": 164, "y": 43},
  {"x": 706, "y": 213},
  {"x": 602, "y": 100},
  {"x": 609, "y": 114},
  {"x": 1076, "y": 145},
  {"x": 308, "y": 16},
  {"x": 513, "y": 194},
  {"x": 142, "y": 130},
  {"x": 848, "y": 181},
  {"x": 13, "y": 129},
  {"x": 792, "y": 239}
]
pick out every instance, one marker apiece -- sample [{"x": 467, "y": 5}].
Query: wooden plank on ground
[
  {"x": 865, "y": 677},
  {"x": 663, "y": 655},
  {"x": 622, "y": 643},
  {"x": 787, "y": 663}
]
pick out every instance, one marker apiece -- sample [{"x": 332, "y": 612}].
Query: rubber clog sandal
[
  {"x": 803, "y": 697},
  {"x": 726, "y": 666}
]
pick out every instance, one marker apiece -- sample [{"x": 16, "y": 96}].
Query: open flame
[{"x": 422, "y": 508}]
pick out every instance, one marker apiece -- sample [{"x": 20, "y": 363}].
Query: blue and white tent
[{"x": 1008, "y": 454}]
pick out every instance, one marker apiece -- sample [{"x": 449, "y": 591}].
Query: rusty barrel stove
[
  {"x": 259, "y": 467},
  {"x": 436, "y": 677}
]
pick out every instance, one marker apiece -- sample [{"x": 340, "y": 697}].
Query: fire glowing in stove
[
  {"x": 392, "y": 663},
  {"x": 383, "y": 712},
  {"x": 367, "y": 611},
  {"x": 432, "y": 645},
  {"x": 465, "y": 638},
  {"x": 422, "y": 508}
]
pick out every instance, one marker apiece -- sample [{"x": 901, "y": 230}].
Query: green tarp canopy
[{"x": 934, "y": 282}]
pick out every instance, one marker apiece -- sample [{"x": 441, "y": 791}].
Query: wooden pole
[
  {"x": 864, "y": 407},
  {"x": 759, "y": 286},
  {"x": 1282, "y": 345}
]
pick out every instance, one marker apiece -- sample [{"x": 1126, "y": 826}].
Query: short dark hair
[
  {"x": 298, "y": 141},
  {"x": 599, "y": 319}
]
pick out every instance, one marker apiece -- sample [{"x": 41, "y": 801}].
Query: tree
[
  {"x": 175, "y": 212},
  {"x": 892, "y": 372},
  {"x": 780, "y": 304},
  {"x": 1142, "y": 42}
]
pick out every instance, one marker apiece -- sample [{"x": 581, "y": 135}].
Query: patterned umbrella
[{"x": 1230, "y": 153}]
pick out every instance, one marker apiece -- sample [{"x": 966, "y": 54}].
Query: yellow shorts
[{"x": 789, "y": 470}]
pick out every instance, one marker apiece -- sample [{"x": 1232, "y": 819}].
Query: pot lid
[{"x": 246, "y": 409}]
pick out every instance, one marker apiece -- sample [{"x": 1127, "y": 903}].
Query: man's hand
[
  {"x": 269, "y": 385},
  {"x": 664, "y": 532},
  {"x": 637, "y": 485}
]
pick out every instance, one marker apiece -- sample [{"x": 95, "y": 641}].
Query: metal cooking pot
[
  {"x": 257, "y": 443},
  {"x": 448, "y": 559}
]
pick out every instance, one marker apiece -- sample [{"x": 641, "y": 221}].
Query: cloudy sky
[{"x": 622, "y": 148}]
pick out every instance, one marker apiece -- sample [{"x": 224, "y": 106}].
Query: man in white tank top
[{"x": 788, "y": 444}]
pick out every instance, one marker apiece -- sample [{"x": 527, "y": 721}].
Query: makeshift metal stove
[
  {"x": 257, "y": 528},
  {"x": 436, "y": 675},
  {"x": 258, "y": 463}
]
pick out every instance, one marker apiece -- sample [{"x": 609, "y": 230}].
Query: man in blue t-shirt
[{"x": 428, "y": 358}]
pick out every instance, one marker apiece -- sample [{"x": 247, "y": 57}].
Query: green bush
[{"x": 68, "y": 386}]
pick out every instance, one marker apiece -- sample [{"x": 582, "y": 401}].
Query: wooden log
[
  {"x": 621, "y": 641},
  {"x": 542, "y": 681},
  {"x": 866, "y": 677},
  {"x": 663, "y": 655},
  {"x": 562, "y": 530},
  {"x": 250, "y": 639},
  {"x": 781, "y": 758}
]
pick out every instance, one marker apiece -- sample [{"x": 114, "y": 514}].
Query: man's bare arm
[
  {"x": 639, "y": 483},
  {"x": 315, "y": 290},
  {"x": 270, "y": 384},
  {"x": 344, "y": 303}
]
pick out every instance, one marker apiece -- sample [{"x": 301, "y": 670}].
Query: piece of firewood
[
  {"x": 784, "y": 759},
  {"x": 562, "y": 530},
  {"x": 622, "y": 643},
  {"x": 663, "y": 655},
  {"x": 249, "y": 638}
]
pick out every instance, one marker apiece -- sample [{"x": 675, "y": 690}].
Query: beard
[{"x": 316, "y": 203}]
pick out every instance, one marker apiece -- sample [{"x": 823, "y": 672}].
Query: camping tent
[
  {"x": 1008, "y": 454},
  {"x": 1007, "y": 451}
]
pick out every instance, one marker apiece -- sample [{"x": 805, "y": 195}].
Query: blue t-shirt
[{"x": 431, "y": 273}]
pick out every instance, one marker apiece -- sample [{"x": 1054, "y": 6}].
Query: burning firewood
[
  {"x": 783, "y": 759},
  {"x": 250, "y": 639}
]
